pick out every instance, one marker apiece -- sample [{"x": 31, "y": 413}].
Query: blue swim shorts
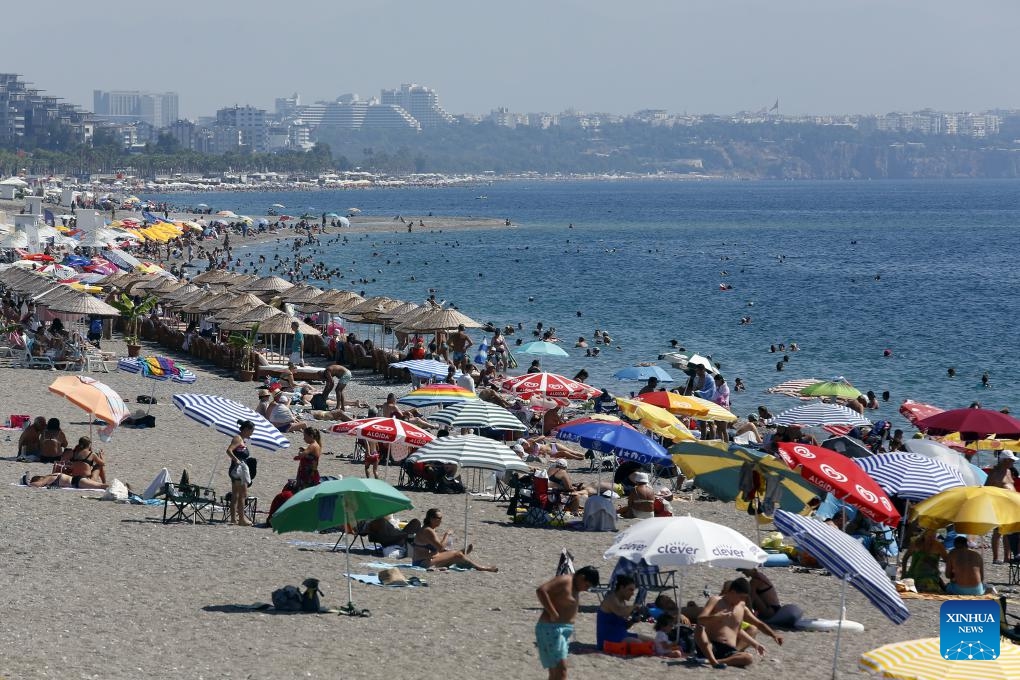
[
  {"x": 954, "y": 589},
  {"x": 458, "y": 356},
  {"x": 553, "y": 642}
]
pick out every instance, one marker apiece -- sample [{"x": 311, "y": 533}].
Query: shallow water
[{"x": 931, "y": 275}]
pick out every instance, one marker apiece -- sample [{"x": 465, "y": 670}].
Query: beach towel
[
  {"x": 157, "y": 484},
  {"x": 373, "y": 580},
  {"x": 387, "y": 565},
  {"x": 57, "y": 488},
  {"x": 942, "y": 597}
]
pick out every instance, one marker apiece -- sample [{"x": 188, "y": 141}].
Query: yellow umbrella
[
  {"x": 679, "y": 404},
  {"x": 990, "y": 444},
  {"x": 973, "y": 509},
  {"x": 85, "y": 287},
  {"x": 658, "y": 420},
  {"x": 925, "y": 660},
  {"x": 715, "y": 411}
]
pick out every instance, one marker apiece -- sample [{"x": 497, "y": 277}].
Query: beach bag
[
  {"x": 287, "y": 599},
  {"x": 116, "y": 492},
  {"x": 310, "y": 598},
  {"x": 239, "y": 473}
]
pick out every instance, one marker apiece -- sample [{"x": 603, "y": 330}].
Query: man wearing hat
[
  {"x": 265, "y": 401},
  {"x": 641, "y": 499},
  {"x": 1003, "y": 476}
]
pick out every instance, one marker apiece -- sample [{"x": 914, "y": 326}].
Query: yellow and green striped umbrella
[{"x": 924, "y": 660}]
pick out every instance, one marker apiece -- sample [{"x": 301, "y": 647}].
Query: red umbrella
[
  {"x": 915, "y": 410},
  {"x": 550, "y": 385},
  {"x": 840, "y": 476},
  {"x": 972, "y": 424},
  {"x": 387, "y": 430},
  {"x": 594, "y": 418}
]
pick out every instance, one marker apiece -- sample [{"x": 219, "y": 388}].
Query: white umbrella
[
  {"x": 818, "y": 414},
  {"x": 470, "y": 451},
  {"x": 971, "y": 474},
  {"x": 685, "y": 541}
]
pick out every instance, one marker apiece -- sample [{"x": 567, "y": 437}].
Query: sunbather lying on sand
[
  {"x": 62, "y": 481},
  {"x": 549, "y": 448},
  {"x": 430, "y": 549}
]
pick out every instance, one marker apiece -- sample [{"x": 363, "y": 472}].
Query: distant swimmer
[
  {"x": 887, "y": 352},
  {"x": 579, "y": 312},
  {"x": 984, "y": 380},
  {"x": 951, "y": 372}
]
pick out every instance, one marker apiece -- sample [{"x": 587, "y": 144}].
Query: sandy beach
[{"x": 105, "y": 590}]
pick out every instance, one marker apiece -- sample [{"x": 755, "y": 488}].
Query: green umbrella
[
  {"x": 838, "y": 387},
  {"x": 338, "y": 503}
]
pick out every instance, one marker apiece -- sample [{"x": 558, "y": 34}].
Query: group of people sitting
[{"x": 77, "y": 467}]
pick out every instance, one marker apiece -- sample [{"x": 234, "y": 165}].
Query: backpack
[
  {"x": 287, "y": 599},
  {"x": 319, "y": 402}
]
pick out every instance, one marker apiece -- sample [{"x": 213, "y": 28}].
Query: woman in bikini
[
  {"x": 83, "y": 462},
  {"x": 53, "y": 443},
  {"x": 59, "y": 480},
  {"x": 238, "y": 452},
  {"x": 430, "y": 550}
]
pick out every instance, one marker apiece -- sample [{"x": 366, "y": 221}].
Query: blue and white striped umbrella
[
  {"x": 478, "y": 414},
  {"x": 846, "y": 558},
  {"x": 426, "y": 368},
  {"x": 470, "y": 451},
  {"x": 818, "y": 414},
  {"x": 910, "y": 476},
  {"x": 222, "y": 414},
  {"x": 134, "y": 365}
]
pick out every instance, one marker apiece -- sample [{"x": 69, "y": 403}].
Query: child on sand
[{"x": 663, "y": 645}]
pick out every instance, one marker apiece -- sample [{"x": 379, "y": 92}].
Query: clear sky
[{"x": 698, "y": 56}]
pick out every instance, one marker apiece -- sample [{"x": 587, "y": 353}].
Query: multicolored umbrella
[
  {"x": 679, "y": 404},
  {"x": 157, "y": 368},
  {"x": 792, "y": 388},
  {"x": 717, "y": 469},
  {"x": 388, "y": 430},
  {"x": 841, "y": 477},
  {"x": 97, "y": 399},
  {"x": 848, "y": 560},
  {"x": 549, "y": 385},
  {"x": 436, "y": 394},
  {"x": 927, "y": 659},
  {"x": 972, "y": 509}
]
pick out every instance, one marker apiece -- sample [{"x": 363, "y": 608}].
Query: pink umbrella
[{"x": 916, "y": 410}]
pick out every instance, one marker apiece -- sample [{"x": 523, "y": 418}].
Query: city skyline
[{"x": 866, "y": 57}]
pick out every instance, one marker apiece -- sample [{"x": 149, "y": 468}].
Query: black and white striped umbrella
[
  {"x": 910, "y": 476},
  {"x": 426, "y": 368},
  {"x": 817, "y": 414},
  {"x": 478, "y": 414},
  {"x": 847, "y": 560},
  {"x": 223, "y": 415},
  {"x": 470, "y": 451}
]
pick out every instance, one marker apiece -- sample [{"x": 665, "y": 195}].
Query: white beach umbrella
[{"x": 685, "y": 541}]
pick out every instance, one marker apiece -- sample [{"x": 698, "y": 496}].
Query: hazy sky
[{"x": 699, "y": 56}]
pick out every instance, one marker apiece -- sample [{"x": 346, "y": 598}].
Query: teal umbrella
[
  {"x": 542, "y": 349},
  {"x": 338, "y": 503}
]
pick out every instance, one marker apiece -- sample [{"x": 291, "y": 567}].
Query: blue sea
[{"x": 847, "y": 270}]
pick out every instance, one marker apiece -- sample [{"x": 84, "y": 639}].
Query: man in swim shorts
[
  {"x": 555, "y": 626},
  {"x": 459, "y": 344},
  {"x": 719, "y": 635},
  {"x": 342, "y": 378}
]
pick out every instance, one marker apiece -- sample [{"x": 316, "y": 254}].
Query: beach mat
[
  {"x": 387, "y": 565},
  {"x": 57, "y": 488},
  {"x": 373, "y": 580}
]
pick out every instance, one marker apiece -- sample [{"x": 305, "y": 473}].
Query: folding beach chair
[{"x": 188, "y": 503}]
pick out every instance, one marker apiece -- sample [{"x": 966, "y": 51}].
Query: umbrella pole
[
  {"x": 839, "y": 630},
  {"x": 350, "y": 586},
  {"x": 466, "y": 495},
  {"x": 903, "y": 535}
]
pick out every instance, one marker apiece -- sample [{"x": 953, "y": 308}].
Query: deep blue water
[{"x": 644, "y": 260}]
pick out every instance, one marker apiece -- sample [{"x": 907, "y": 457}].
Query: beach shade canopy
[
  {"x": 478, "y": 414},
  {"x": 436, "y": 395},
  {"x": 280, "y": 324},
  {"x": 82, "y": 303},
  {"x": 643, "y": 373},
  {"x": 845, "y": 557},
  {"x": 157, "y": 368},
  {"x": 717, "y": 468},
  {"x": 540, "y": 348},
  {"x": 841, "y": 477},
  {"x": 97, "y": 399},
  {"x": 267, "y": 284},
  {"x": 616, "y": 439},
  {"x": 837, "y": 388},
  {"x": 470, "y": 451},
  {"x": 223, "y": 414},
  {"x": 910, "y": 476},
  {"x": 916, "y": 410},
  {"x": 338, "y": 301},
  {"x": 972, "y": 509},
  {"x": 972, "y": 423},
  {"x": 398, "y": 311},
  {"x": 683, "y": 542},
  {"x": 425, "y": 368},
  {"x": 971, "y": 474},
  {"x": 386, "y": 430},
  {"x": 256, "y": 315},
  {"x": 928, "y": 659},
  {"x": 819, "y": 414},
  {"x": 301, "y": 294},
  {"x": 655, "y": 419},
  {"x": 549, "y": 385},
  {"x": 438, "y": 320}
]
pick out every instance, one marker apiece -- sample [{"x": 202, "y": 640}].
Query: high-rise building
[
  {"x": 158, "y": 109},
  {"x": 27, "y": 113},
  {"x": 351, "y": 113},
  {"x": 250, "y": 124},
  {"x": 421, "y": 102}
]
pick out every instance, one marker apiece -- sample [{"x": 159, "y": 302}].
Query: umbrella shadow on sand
[{"x": 259, "y": 608}]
